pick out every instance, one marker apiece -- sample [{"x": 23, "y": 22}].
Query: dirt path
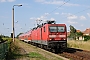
[{"x": 26, "y": 49}]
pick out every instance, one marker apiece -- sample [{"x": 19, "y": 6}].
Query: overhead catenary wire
[
  {"x": 83, "y": 10},
  {"x": 64, "y": 4},
  {"x": 52, "y": 11},
  {"x": 58, "y": 7},
  {"x": 78, "y": 12}
]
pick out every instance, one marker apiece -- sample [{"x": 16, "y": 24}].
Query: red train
[{"x": 48, "y": 35}]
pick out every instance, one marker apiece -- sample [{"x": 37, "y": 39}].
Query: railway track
[{"x": 76, "y": 54}]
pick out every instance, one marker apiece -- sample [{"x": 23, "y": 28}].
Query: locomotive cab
[
  {"x": 57, "y": 36},
  {"x": 57, "y": 33}
]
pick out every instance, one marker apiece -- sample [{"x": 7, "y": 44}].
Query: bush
[
  {"x": 9, "y": 39},
  {"x": 1, "y": 39},
  {"x": 86, "y": 38}
]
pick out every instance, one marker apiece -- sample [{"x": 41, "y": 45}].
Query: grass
[
  {"x": 32, "y": 55},
  {"x": 13, "y": 51},
  {"x": 36, "y": 56},
  {"x": 17, "y": 53},
  {"x": 85, "y": 45}
]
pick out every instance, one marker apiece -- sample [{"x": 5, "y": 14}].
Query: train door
[{"x": 41, "y": 35}]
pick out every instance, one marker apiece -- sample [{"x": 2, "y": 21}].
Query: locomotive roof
[{"x": 47, "y": 22}]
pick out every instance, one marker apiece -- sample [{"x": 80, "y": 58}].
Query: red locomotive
[{"x": 48, "y": 35}]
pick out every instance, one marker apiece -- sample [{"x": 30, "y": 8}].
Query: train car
[
  {"x": 21, "y": 37},
  {"x": 28, "y": 38},
  {"x": 50, "y": 35}
]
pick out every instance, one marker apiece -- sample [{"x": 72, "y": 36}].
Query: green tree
[
  {"x": 1, "y": 39},
  {"x": 72, "y": 32},
  {"x": 19, "y": 34}
]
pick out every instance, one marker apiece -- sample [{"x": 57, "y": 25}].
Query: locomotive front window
[
  {"x": 53, "y": 29},
  {"x": 61, "y": 29},
  {"x": 56, "y": 28}
]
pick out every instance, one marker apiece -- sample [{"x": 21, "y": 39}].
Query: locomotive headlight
[
  {"x": 57, "y": 33},
  {"x": 64, "y": 39},
  {"x": 50, "y": 39}
]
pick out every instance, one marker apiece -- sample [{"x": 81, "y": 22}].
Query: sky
[{"x": 69, "y": 12}]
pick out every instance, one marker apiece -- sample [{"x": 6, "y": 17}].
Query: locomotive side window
[
  {"x": 44, "y": 29},
  {"x": 53, "y": 29},
  {"x": 61, "y": 29}
]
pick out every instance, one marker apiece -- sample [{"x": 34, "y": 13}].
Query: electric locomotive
[{"x": 50, "y": 36}]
